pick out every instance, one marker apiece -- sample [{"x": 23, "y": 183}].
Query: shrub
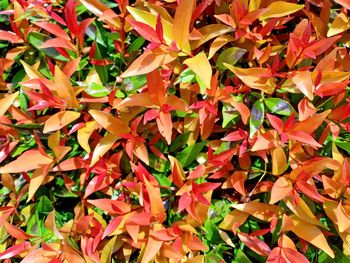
[{"x": 174, "y": 131}]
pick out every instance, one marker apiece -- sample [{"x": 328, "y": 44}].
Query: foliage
[{"x": 174, "y": 131}]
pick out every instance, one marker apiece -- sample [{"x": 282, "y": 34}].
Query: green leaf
[
  {"x": 101, "y": 70},
  {"x": 37, "y": 39},
  {"x": 44, "y": 205},
  {"x": 230, "y": 56},
  {"x": 133, "y": 83},
  {"x": 278, "y": 106},
  {"x": 241, "y": 257},
  {"x": 23, "y": 146},
  {"x": 256, "y": 117},
  {"x": 179, "y": 142},
  {"x": 188, "y": 155},
  {"x": 228, "y": 115},
  {"x": 136, "y": 44},
  {"x": 186, "y": 76},
  {"x": 96, "y": 90}
]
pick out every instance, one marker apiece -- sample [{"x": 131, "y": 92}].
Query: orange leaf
[
  {"x": 312, "y": 234},
  {"x": 29, "y": 160},
  {"x": 303, "y": 81},
  {"x": 149, "y": 61},
  {"x": 259, "y": 210},
  {"x": 103, "y": 146},
  {"x": 60, "y": 120},
  {"x": 112, "y": 124},
  {"x": 177, "y": 172},
  {"x": 156, "y": 87},
  {"x": 6, "y": 102},
  {"x": 281, "y": 188},
  {"x": 165, "y": 125},
  {"x": 111, "y": 206},
  {"x": 157, "y": 207},
  {"x": 255, "y": 78},
  {"x": 343, "y": 218},
  {"x": 181, "y": 26},
  {"x": 65, "y": 89},
  {"x": 37, "y": 179},
  {"x": 152, "y": 248}
]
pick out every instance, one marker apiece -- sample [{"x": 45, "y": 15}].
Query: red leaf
[{"x": 15, "y": 250}]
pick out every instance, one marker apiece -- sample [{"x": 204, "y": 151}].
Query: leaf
[
  {"x": 37, "y": 179},
  {"x": 60, "y": 120},
  {"x": 303, "y": 81},
  {"x": 149, "y": 61},
  {"x": 257, "y": 116},
  {"x": 64, "y": 89},
  {"x": 259, "y": 210},
  {"x": 181, "y": 25},
  {"x": 15, "y": 250},
  {"x": 340, "y": 24},
  {"x": 230, "y": 56},
  {"x": 53, "y": 29},
  {"x": 85, "y": 133},
  {"x": 255, "y": 244},
  {"x": 279, "y": 161},
  {"x": 200, "y": 65},
  {"x": 103, "y": 145},
  {"x": 97, "y": 90},
  {"x": 281, "y": 188},
  {"x": 112, "y": 124},
  {"x": 157, "y": 207},
  {"x": 152, "y": 248},
  {"x": 312, "y": 234},
  {"x": 29, "y": 160},
  {"x": 107, "y": 250},
  {"x": 99, "y": 9},
  {"x": 255, "y": 78},
  {"x": 6, "y": 102},
  {"x": 280, "y": 9},
  {"x": 156, "y": 87},
  {"x": 110, "y": 206},
  {"x": 189, "y": 154},
  {"x": 278, "y": 106}
]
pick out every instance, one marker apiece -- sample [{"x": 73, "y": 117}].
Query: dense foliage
[{"x": 174, "y": 131}]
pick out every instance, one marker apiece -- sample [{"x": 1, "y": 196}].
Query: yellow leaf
[
  {"x": 255, "y": 78},
  {"x": 6, "y": 102},
  {"x": 281, "y": 188},
  {"x": 31, "y": 71},
  {"x": 103, "y": 146},
  {"x": 85, "y": 133},
  {"x": 210, "y": 32},
  {"x": 280, "y": 9},
  {"x": 151, "y": 20},
  {"x": 112, "y": 124},
  {"x": 311, "y": 233},
  {"x": 279, "y": 160},
  {"x": 29, "y": 160},
  {"x": 302, "y": 211},
  {"x": 181, "y": 26},
  {"x": 340, "y": 24},
  {"x": 235, "y": 217},
  {"x": 200, "y": 65},
  {"x": 259, "y": 210},
  {"x": 65, "y": 89},
  {"x": 108, "y": 250},
  {"x": 59, "y": 120},
  {"x": 218, "y": 43},
  {"x": 254, "y": 5}
]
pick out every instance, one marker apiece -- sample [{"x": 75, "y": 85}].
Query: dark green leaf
[
  {"x": 256, "y": 117},
  {"x": 230, "y": 56}
]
